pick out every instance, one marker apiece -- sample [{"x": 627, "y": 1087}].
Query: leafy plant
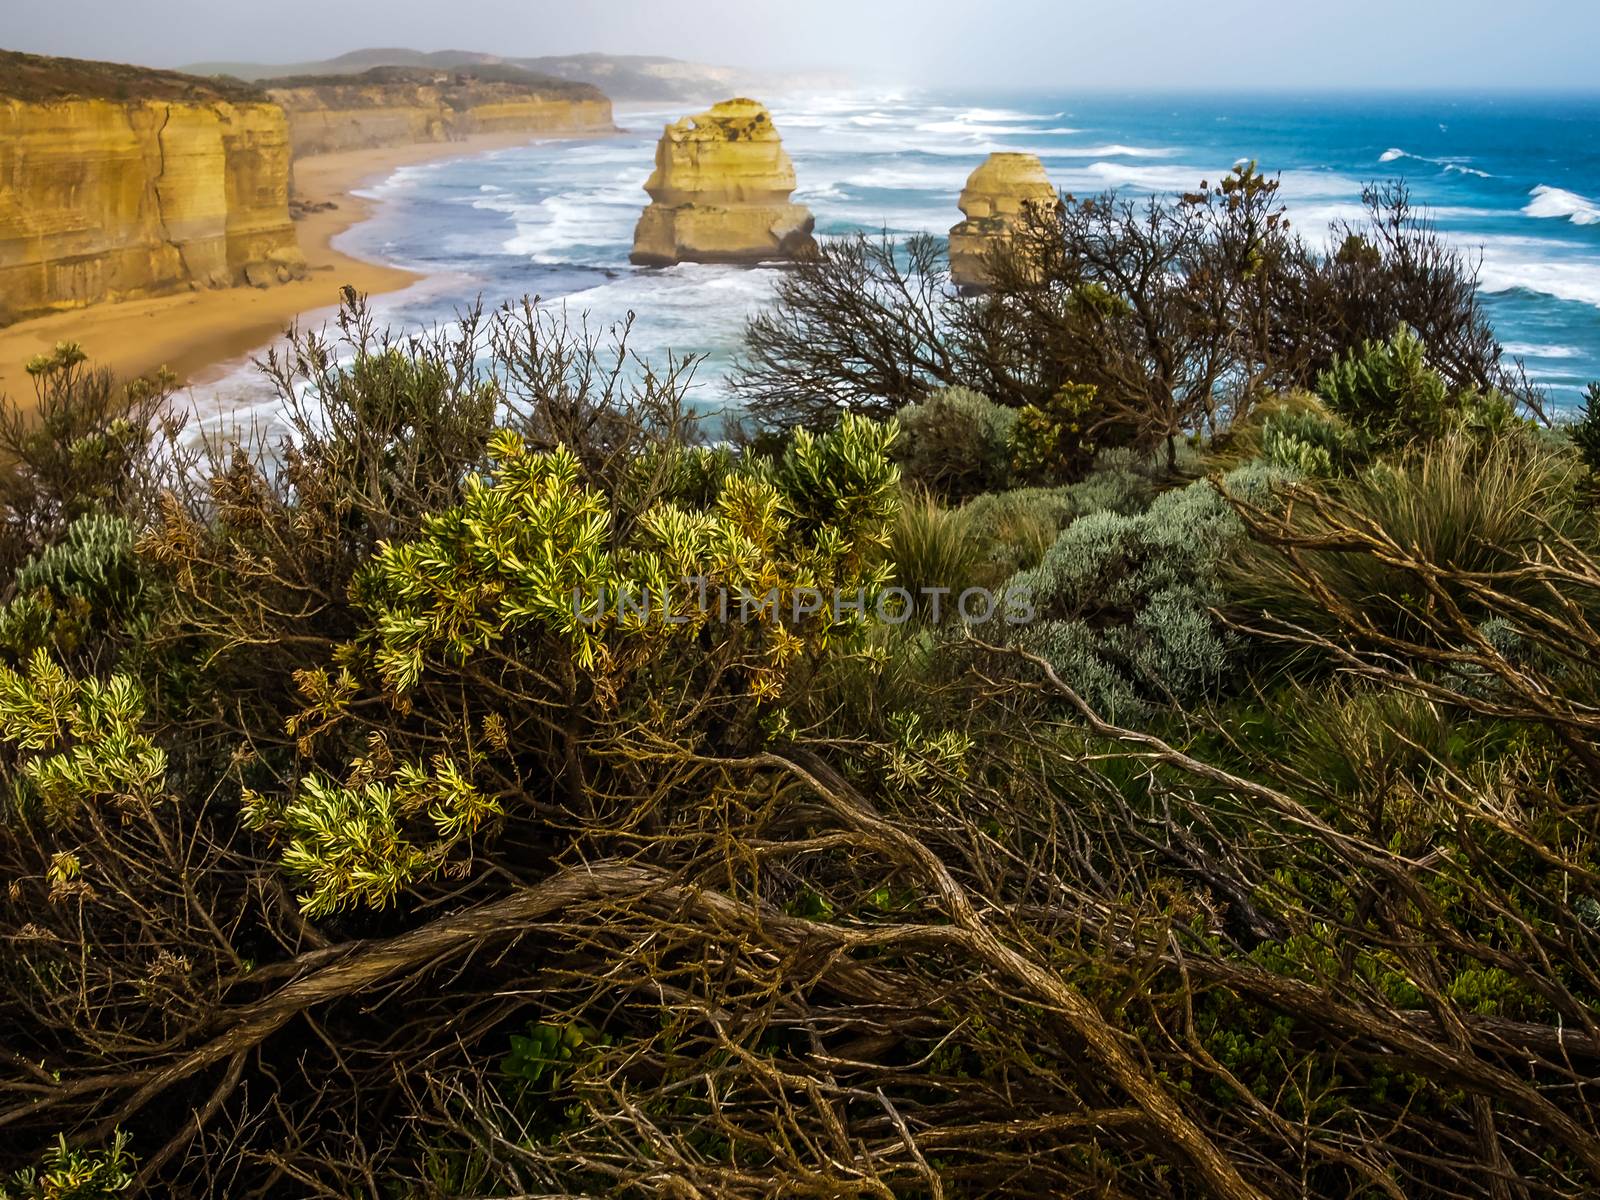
[
  {"x": 1054, "y": 443},
  {"x": 77, "y": 741},
  {"x": 70, "y": 1174},
  {"x": 956, "y": 443},
  {"x": 1388, "y": 390},
  {"x": 1124, "y": 602},
  {"x": 1585, "y": 431}
]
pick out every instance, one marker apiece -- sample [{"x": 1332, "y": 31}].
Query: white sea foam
[
  {"x": 1525, "y": 350},
  {"x": 1558, "y": 203},
  {"x": 1577, "y": 280},
  {"x": 1112, "y": 150},
  {"x": 1457, "y": 165}
]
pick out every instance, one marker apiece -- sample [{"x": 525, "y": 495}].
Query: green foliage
[
  {"x": 1055, "y": 443},
  {"x": 90, "y": 582},
  {"x": 70, "y": 1174},
  {"x": 363, "y": 842},
  {"x": 531, "y": 550},
  {"x": 1585, "y": 431},
  {"x": 862, "y": 868},
  {"x": 543, "y": 1053},
  {"x": 1389, "y": 391},
  {"x": 533, "y": 565},
  {"x": 525, "y": 541},
  {"x": 1311, "y": 443},
  {"x": 1476, "y": 506},
  {"x": 78, "y": 741},
  {"x": 933, "y": 547},
  {"x": 956, "y": 443},
  {"x": 1010, "y": 531},
  {"x": 1124, "y": 602},
  {"x": 82, "y": 446}
]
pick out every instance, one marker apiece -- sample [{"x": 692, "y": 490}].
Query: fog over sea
[{"x": 1514, "y": 181}]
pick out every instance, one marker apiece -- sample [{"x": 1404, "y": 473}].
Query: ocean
[{"x": 1512, "y": 180}]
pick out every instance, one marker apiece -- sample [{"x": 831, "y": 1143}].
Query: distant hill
[{"x": 623, "y": 77}]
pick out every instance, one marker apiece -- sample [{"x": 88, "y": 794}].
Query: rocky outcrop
[
  {"x": 994, "y": 203},
  {"x": 394, "y": 106},
  {"x": 118, "y": 183},
  {"x": 720, "y": 192}
]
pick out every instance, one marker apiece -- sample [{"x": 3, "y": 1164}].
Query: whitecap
[
  {"x": 1113, "y": 150},
  {"x": 1456, "y": 165},
  {"x": 1577, "y": 280},
  {"x": 1525, "y": 350},
  {"x": 1560, "y": 204}
]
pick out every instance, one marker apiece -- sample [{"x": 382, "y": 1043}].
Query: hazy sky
[{"x": 1222, "y": 44}]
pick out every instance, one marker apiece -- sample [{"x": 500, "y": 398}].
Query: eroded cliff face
[
  {"x": 107, "y": 198},
  {"x": 994, "y": 203},
  {"x": 720, "y": 192},
  {"x": 395, "y": 107}
]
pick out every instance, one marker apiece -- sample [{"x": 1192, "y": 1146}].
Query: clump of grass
[
  {"x": 1462, "y": 502},
  {"x": 932, "y": 549}
]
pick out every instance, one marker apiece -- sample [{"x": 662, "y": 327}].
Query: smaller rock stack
[
  {"x": 994, "y": 203},
  {"x": 720, "y": 192}
]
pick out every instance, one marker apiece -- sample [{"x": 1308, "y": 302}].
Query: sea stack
[
  {"x": 995, "y": 202},
  {"x": 720, "y": 192}
]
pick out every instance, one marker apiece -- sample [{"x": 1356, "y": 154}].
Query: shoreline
[{"x": 196, "y": 333}]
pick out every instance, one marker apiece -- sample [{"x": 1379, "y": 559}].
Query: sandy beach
[{"x": 192, "y": 332}]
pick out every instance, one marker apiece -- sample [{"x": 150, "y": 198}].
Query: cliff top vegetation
[
  {"x": 497, "y": 76},
  {"x": 35, "y": 78}
]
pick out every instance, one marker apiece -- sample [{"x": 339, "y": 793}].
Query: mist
[{"x": 1224, "y": 45}]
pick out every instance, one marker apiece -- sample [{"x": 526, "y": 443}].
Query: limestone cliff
[
  {"x": 393, "y": 106},
  {"x": 720, "y": 192},
  {"x": 994, "y": 203},
  {"x": 117, "y": 182}
]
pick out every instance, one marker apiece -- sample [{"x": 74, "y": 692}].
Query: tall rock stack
[
  {"x": 720, "y": 192},
  {"x": 995, "y": 202}
]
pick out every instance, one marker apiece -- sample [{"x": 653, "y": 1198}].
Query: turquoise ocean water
[{"x": 1513, "y": 180}]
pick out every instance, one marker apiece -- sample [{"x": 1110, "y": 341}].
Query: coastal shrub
[
  {"x": 89, "y": 584},
  {"x": 956, "y": 443},
  {"x": 374, "y": 793},
  {"x": 1388, "y": 389},
  {"x": 1052, "y": 443},
  {"x": 70, "y": 1173},
  {"x": 1390, "y": 269},
  {"x": 1165, "y": 306},
  {"x": 1010, "y": 531},
  {"x": 1585, "y": 431},
  {"x": 1124, "y": 602},
  {"x": 532, "y": 584},
  {"x": 1311, "y": 442},
  {"x": 84, "y": 444},
  {"x": 1477, "y": 506}
]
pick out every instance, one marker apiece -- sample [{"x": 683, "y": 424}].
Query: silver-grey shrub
[{"x": 1123, "y": 602}]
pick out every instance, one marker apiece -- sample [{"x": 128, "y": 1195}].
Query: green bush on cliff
[{"x": 957, "y": 443}]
